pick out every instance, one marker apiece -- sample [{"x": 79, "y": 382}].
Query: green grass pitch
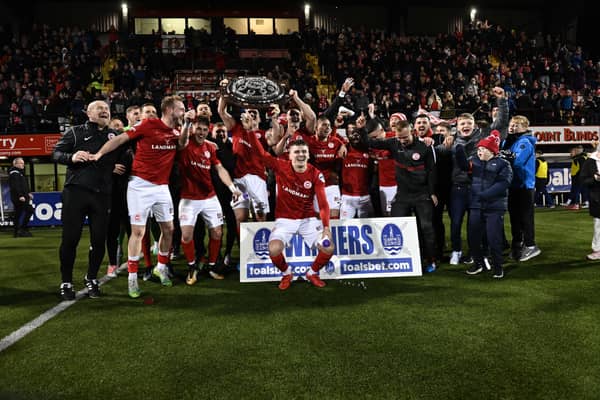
[{"x": 533, "y": 335}]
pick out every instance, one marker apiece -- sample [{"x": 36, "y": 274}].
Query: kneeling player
[{"x": 298, "y": 183}]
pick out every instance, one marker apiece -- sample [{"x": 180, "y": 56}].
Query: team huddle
[{"x": 308, "y": 169}]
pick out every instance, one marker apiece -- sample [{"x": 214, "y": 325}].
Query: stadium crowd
[{"x": 50, "y": 73}]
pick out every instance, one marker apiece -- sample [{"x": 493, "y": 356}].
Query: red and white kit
[{"x": 148, "y": 187}]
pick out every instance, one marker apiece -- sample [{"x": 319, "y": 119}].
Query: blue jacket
[
  {"x": 490, "y": 181},
  {"x": 523, "y": 165}
]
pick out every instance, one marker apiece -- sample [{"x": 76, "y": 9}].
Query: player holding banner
[{"x": 298, "y": 183}]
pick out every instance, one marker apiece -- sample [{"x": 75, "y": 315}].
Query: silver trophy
[{"x": 254, "y": 92}]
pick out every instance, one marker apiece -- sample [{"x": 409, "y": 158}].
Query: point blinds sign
[{"x": 364, "y": 248}]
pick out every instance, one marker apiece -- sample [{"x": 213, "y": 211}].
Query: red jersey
[
  {"x": 324, "y": 154},
  {"x": 296, "y": 190},
  {"x": 355, "y": 173},
  {"x": 195, "y": 162},
  {"x": 155, "y": 151},
  {"x": 248, "y": 159},
  {"x": 386, "y": 164}
]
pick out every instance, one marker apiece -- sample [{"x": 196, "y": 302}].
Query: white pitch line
[{"x": 29, "y": 327}]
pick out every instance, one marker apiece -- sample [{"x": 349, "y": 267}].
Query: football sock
[
  {"x": 322, "y": 259},
  {"x": 279, "y": 262},
  {"x": 189, "y": 251},
  {"x": 214, "y": 245},
  {"x": 163, "y": 259},
  {"x": 133, "y": 263}
]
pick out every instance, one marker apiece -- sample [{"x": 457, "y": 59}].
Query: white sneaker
[
  {"x": 594, "y": 256},
  {"x": 586, "y": 204},
  {"x": 455, "y": 257},
  {"x": 163, "y": 275},
  {"x": 529, "y": 252},
  {"x": 133, "y": 288}
]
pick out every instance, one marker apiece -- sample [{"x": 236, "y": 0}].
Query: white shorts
[
  {"x": 356, "y": 205},
  {"x": 386, "y": 197},
  {"x": 311, "y": 230},
  {"x": 256, "y": 188},
  {"x": 333, "y": 198},
  {"x": 210, "y": 210},
  {"x": 143, "y": 197}
]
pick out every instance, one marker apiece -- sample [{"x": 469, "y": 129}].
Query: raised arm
[
  {"x": 332, "y": 111},
  {"x": 184, "y": 137},
  {"x": 310, "y": 118},
  {"x": 501, "y": 121},
  {"x": 227, "y": 119}
]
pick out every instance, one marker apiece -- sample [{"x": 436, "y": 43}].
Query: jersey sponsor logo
[
  {"x": 199, "y": 164},
  {"x": 261, "y": 243},
  {"x": 163, "y": 147},
  {"x": 392, "y": 240},
  {"x": 294, "y": 192},
  {"x": 416, "y": 156},
  {"x": 356, "y": 165}
]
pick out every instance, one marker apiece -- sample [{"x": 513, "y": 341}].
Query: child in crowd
[{"x": 491, "y": 176}]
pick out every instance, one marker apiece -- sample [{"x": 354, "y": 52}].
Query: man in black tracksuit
[
  {"x": 87, "y": 192},
  {"x": 416, "y": 178},
  {"x": 20, "y": 196}
]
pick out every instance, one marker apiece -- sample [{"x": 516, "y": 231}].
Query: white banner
[
  {"x": 364, "y": 248},
  {"x": 565, "y": 134}
]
